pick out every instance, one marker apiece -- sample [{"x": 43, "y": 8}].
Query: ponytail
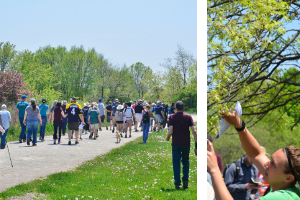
[{"x": 33, "y": 106}]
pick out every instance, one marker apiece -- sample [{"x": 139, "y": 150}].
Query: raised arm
[{"x": 249, "y": 143}]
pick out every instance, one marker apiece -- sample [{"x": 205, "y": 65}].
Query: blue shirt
[
  {"x": 158, "y": 110},
  {"x": 5, "y": 118},
  {"x": 43, "y": 111},
  {"x": 101, "y": 108},
  {"x": 236, "y": 187},
  {"x": 32, "y": 115},
  {"x": 22, "y": 105}
]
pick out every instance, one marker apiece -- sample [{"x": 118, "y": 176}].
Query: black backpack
[
  {"x": 237, "y": 169},
  {"x": 146, "y": 118},
  {"x": 85, "y": 111}
]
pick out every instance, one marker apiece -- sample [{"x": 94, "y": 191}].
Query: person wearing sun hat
[
  {"x": 21, "y": 106},
  {"x": 43, "y": 111}
]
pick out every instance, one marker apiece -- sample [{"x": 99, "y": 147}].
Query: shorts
[
  {"x": 151, "y": 120},
  {"x": 158, "y": 119},
  {"x": 138, "y": 117},
  {"x": 94, "y": 126},
  {"x": 102, "y": 118},
  {"x": 73, "y": 126},
  {"x": 107, "y": 119},
  {"x": 129, "y": 122},
  {"x": 119, "y": 122}
]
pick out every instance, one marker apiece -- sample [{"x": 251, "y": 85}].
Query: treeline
[{"x": 59, "y": 73}]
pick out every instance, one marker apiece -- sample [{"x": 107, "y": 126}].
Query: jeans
[
  {"x": 23, "y": 129},
  {"x": 43, "y": 127},
  {"x": 64, "y": 125},
  {"x": 165, "y": 121},
  {"x": 86, "y": 127},
  {"x": 145, "y": 131},
  {"x": 32, "y": 126},
  {"x": 55, "y": 131},
  {"x": 181, "y": 153},
  {"x": 3, "y": 138}
]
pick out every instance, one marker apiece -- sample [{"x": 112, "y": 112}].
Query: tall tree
[{"x": 7, "y": 54}]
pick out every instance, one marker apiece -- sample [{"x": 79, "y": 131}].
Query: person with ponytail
[
  {"x": 32, "y": 119},
  {"x": 282, "y": 172}
]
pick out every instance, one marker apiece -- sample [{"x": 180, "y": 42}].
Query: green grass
[{"x": 134, "y": 171}]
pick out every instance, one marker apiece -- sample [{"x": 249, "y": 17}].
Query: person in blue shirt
[
  {"x": 6, "y": 118},
  {"x": 43, "y": 111},
  {"x": 21, "y": 106},
  {"x": 102, "y": 109}
]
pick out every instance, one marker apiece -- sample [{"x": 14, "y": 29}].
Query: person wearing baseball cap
[
  {"x": 20, "y": 112},
  {"x": 179, "y": 129},
  {"x": 44, "y": 109},
  {"x": 101, "y": 108}
]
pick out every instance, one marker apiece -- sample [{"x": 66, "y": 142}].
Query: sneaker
[
  {"x": 24, "y": 140},
  {"x": 59, "y": 141},
  {"x": 80, "y": 138},
  {"x": 154, "y": 129},
  {"x": 97, "y": 135},
  {"x": 72, "y": 137},
  {"x": 20, "y": 140},
  {"x": 76, "y": 142},
  {"x": 177, "y": 187},
  {"x": 43, "y": 139},
  {"x": 113, "y": 131},
  {"x": 126, "y": 136},
  {"x": 121, "y": 135},
  {"x": 95, "y": 138},
  {"x": 136, "y": 130},
  {"x": 28, "y": 142},
  {"x": 33, "y": 144},
  {"x": 129, "y": 135},
  {"x": 185, "y": 184},
  {"x": 69, "y": 143},
  {"x": 100, "y": 129},
  {"x": 91, "y": 135},
  {"x": 40, "y": 138},
  {"x": 2, "y": 147},
  {"x": 54, "y": 142},
  {"x": 106, "y": 128}
]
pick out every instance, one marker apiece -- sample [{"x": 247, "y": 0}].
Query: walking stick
[{"x": 9, "y": 155}]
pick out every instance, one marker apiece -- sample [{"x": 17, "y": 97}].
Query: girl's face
[{"x": 274, "y": 169}]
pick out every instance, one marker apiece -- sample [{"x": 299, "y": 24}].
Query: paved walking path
[{"x": 30, "y": 163}]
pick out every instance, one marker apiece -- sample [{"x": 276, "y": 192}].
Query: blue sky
[{"x": 123, "y": 31}]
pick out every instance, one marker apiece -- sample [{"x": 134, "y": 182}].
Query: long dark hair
[
  {"x": 58, "y": 104},
  {"x": 33, "y": 104}
]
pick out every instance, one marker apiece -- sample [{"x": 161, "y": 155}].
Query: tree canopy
[{"x": 251, "y": 46}]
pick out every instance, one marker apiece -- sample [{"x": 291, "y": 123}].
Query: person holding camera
[
  {"x": 282, "y": 172},
  {"x": 238, "y": 176},
  {"x": 179, "y": 128}
]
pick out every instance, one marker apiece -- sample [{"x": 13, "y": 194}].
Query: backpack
[
  {"x": 119, "y": 116},
  {"x": 169, "y": 111},
  {"x": 85, "y": 111},
  {"x": 146, "y": 118},
  {"x": 237, "y": 169}
]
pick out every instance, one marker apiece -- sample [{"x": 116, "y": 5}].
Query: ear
[{"x": 289, "y": 178}]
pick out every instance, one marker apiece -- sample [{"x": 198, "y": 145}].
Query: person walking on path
[
  {"x": 64, "y": 119},
  {"x": 138, "y": 114},
  {"x": 51, "y": 110},
  {"x": 57, "y": 122},
  {"x": 152, "y": 121},
  {"x": 173, "y": 108},
  {"x": 159, "y": 116},
  {"x": 73, "y": 112},
  {"x": 85, "y": 111},
  {"x": 94, "y": 120},
  {"x": 146, "y": 122},
  {"x": 114, "y": 110},
  {"x": 43, "y": 111},
  {"x": 119, "y": 117},
  {"x": 130, "y": 116},
  {"x": 101, "y": 108},
  {"x": 33, "y": 116},
  {"x": 165, "y": 116},
  {"x": 179, "y": 125},
  {"x": 282, "y": 172},
  {"x": 21, "y": 106},
  {"x": 108, "y": 115},
  {"x": 5, "y": 119}
]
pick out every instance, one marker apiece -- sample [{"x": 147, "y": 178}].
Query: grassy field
[{"x": 134, "y": 171}]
